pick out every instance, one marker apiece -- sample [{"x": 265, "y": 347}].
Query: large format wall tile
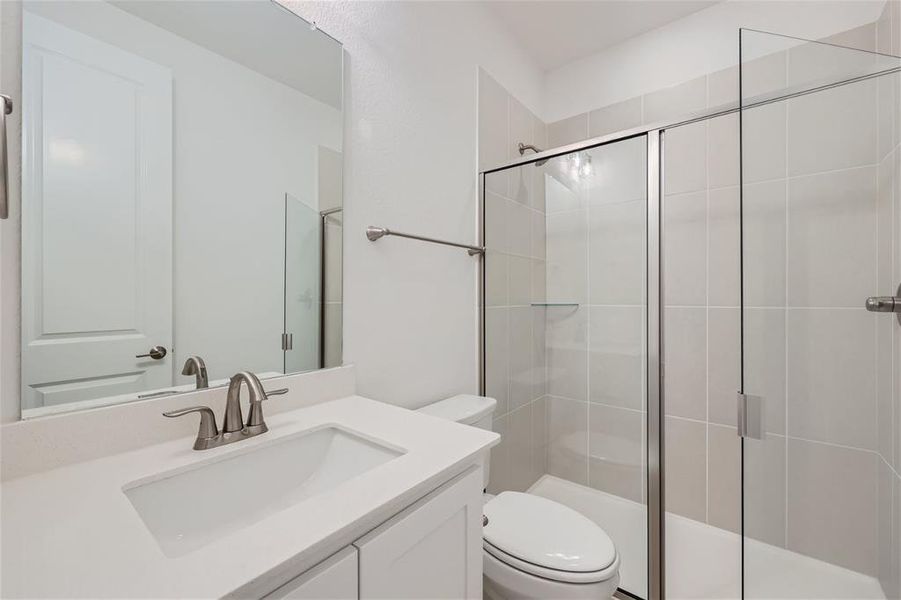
[
  {"x": 685, "y": 351},
  {"x": 832, "y": 238},
  {"x": 619, "y": 172},
  {"x": 539, "y": 352},
  {"x": 616, "y": 365},
  {"x": 685, "y": 245},
  {"x": 724, "y": 477},
  {"x": 764, "y": 363},
  {"x": 615, "y": 117},
  {"x": 519, "y": 281},
  {"x": 724, "y": 244},
  {"x": 763, "y": 240},
  {"x": 496, "y": 221},
  {"x": 615, "y": 450},
  {"x": 763, "y": 143},
  {"x": 723, "y": 151},
  {"x": 497, "y": 356},
  {"x": 567, "y": 131},
  {"x": 567, "y": 352},
  {"x": 519, "y": 229},
  {"x": 849, "y": 140},
  {"x": 763, "y": 76},
  {"x": 831, "y": 508},
  {"x": 560, "y": 197},
  {"x": 886, "y": 568},
  {"x": 520, "y": 352},
  {"x": 500, "y": 474},
  {"x": 685, "y": 158},
  {"x": 540, "y": 436},
  {"x": 495, "y": 278},
  {"x": 567, "y": 439},
  {"x": 617, "y": 250},
  {"x": 686, "y": 468},
  {"x": 519, "y": 439},
  {"x": 675, "y": 102},
  {"x": 764, "y": 489},
  {"x": 567, "y": 256},
  {"x": 831, "y": 392},
  {"x": 724, "y": 363}
]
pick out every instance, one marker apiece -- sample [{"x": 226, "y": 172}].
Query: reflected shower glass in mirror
[{"x": 181, "y": 197}]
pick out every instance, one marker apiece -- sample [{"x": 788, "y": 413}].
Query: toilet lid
[{"x": 546, "y": 533}]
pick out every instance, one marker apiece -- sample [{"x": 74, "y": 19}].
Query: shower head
[
  {"x": 535, "y": 149},
  {"x": 374, "y": 233}
]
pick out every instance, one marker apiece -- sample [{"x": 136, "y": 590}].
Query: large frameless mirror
[{"x": 181, "y": 198}]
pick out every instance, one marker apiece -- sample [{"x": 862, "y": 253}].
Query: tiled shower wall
[
  {"x": 515, "y": 267},
  {"x": 823, "y": 216},
  {"x": 888, "y": 333}
]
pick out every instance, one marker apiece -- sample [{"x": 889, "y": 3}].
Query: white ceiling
[{"x": 556, "y": 32}]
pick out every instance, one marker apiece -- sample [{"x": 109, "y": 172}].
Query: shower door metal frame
[{"x": 654, "y": 272}]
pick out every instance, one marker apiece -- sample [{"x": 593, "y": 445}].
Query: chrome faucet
[
  {"x": 196, "y": 367},
  {"x": 233, "y": 429}
]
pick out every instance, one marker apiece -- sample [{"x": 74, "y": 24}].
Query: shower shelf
[{"x": 555, "y": 304}]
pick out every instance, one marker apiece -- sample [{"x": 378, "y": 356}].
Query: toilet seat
[{"x": 547, "y": 539}]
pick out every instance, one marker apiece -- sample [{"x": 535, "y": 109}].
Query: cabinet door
[
  {"x": 335, "y": 578},
  {"x": 433, "y": 549}
]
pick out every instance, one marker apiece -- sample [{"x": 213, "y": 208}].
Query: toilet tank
[{"x": 468, "y": 410}]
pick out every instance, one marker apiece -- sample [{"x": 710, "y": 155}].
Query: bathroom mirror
[{"x": 181, "y": 197}]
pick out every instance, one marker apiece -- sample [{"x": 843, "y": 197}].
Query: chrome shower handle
[{"x": 4, "y": 157}]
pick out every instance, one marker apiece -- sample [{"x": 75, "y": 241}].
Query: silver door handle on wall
[
  {"x": 4, "y": 158},
  {"x": 156, "y": 353}
]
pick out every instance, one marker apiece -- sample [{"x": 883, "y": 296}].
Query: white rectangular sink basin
[{"x": 187, "y": 509}]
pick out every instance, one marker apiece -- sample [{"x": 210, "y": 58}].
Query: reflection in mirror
[{"x": 182, "y": 168}]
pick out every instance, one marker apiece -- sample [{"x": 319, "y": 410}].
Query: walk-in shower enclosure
[{"x": 674, "y": 327}]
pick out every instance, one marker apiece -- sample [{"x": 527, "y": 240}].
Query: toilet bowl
[{"x": 533, "y": 547}]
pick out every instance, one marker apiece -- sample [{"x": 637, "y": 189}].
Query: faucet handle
[
  {"x": 277, "y": 392},
  {"x": 207, "y": 430}
]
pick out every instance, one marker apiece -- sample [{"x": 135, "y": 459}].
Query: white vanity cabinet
[
  {"x": 432, "y": 549},
  {"x": 335, "y": 578}
]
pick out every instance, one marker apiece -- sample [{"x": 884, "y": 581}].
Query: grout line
[
  {"x": 707, "y": 318},
  {"x": 785, "y": 292}
]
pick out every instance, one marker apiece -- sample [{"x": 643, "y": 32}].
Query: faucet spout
[
  {"x": 196, "y": 367},
  {"x": 233, "y": 419}
]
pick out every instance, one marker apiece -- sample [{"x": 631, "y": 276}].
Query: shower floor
[{"x": 704, "y": 561}]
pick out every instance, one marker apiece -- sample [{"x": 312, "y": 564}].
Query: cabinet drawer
[{"x": 335, "y": 578}]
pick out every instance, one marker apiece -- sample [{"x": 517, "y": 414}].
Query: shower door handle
[
  {"x": 750, "y": 416},
  {"x": 4, "y": 157}
]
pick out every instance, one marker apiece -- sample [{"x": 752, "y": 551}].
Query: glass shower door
[
  {"x": 819, "y": 413},
  {"x": 303, "y": 304}
]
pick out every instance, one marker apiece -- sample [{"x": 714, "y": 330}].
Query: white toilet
[{"x": 532, "y": 547}]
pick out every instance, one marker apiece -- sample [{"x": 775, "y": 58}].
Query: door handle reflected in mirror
[{"x": 156, "y": 353}]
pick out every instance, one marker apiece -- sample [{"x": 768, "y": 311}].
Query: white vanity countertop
[{"x": 72, "y": 532}]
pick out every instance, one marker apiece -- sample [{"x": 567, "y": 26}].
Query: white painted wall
[
  {"x": 410, "y": 138},
  {"x": 696, "y": 45}
]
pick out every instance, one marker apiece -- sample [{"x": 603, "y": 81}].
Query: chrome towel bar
[{"x": 374, "y": 233}]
